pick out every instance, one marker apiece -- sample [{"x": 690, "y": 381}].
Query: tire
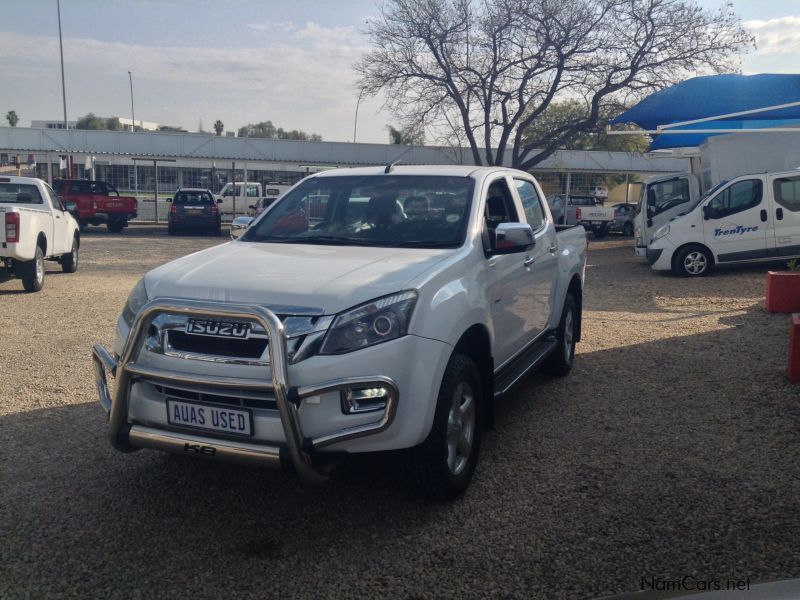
[
  {"x": 600, "y": 232},
  {"x": 82, "y": 225},
  {"x": 33, "y": 272},
  {"x": 693, "y": 261},
  {"x": 69, "y": 262},
  {"x": 116, "y": 226},
  {"x": 218, "y": 230},
  {"x": 627, "y": 229},
  {"x": 170, "y": 230},
  {"x": 560, "y": 362},
  {"x": 441, "y": 467}
]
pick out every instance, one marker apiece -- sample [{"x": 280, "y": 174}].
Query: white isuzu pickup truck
[
  {"x": 36, "y": 227},
  {"x": 370, "y": 309}
]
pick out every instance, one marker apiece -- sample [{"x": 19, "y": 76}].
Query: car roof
[
  {"x": 444, "y": 170},
  {"x": 193, "y": 190}
]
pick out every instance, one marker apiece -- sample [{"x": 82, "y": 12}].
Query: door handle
[
  {"x": 779, "y": 214},
  {"x": 528, "y": 261},
  {"x": 764, "y": 215},
  {"x": 553, "y": 248}
]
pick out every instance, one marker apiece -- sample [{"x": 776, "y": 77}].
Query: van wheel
[
  {"x": 442, "y": 466},
  {"x": 560, "y": 362},
  {"x": 69, "y": 262},
  {"x": 33, "y": 278},
  {"x": 693, "y": 261}
]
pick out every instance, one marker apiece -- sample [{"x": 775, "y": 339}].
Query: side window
[
  {"x": 667, "y": 194},
  {"x": 252, "y": 191},
  {"x": 531, "y": 204},
  {"x": 499, "y": 205},
  {"x": 99, "y": 188},
  {"x": 787, "y": 193},
  {"x": 54, "y": 199},
  {"x": 736, "y": 198}
]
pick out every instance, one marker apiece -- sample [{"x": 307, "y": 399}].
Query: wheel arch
[
  {"x": 475, "y": 342},
  {"x": 41, "y": 242}
]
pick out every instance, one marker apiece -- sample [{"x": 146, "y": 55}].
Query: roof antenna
[{"x": 390, "y": 166}]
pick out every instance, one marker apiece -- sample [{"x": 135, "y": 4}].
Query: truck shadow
[{"x": 639, "y": 441}]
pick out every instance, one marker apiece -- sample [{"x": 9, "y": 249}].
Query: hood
[{"x": 325, "y": 279}]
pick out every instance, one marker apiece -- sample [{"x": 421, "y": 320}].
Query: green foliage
[
  {"x": 12, "y": 118},
  {"x": 406, "y": 136},
  {"x": 91, "y": 121},
  {"x": 171, "y": 128},
  {"x": 560, "y": 115},
  {"x": 793, "y": 265},
  {"x": 265, "y": 129}
]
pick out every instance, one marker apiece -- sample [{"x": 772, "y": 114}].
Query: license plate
[
  {"x": 220, "y": 419},
  {"x": 225, "y": 329},
  {"x": 194, "y": 211},
  {"x": 114, "y": 205}
]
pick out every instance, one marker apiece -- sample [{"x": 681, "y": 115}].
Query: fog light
[{"x": 366, "y": 399}]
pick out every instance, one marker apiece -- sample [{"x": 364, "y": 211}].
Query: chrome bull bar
[{"x": 128, "y": 437}]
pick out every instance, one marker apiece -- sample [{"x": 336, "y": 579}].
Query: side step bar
[{"x": 512, "y": 374}]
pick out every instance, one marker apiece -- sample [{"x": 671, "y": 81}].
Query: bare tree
[{"x": 494, "y": 66}]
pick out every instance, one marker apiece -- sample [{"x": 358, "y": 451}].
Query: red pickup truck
[{"x": 96, "y": 202}]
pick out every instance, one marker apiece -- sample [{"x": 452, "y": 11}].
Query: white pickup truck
[
  {"x": 36, "y": 227},
  {"x": 388, "y": 318}
]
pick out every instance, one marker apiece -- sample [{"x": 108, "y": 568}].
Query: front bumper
[{"x": 127, "y": 434}]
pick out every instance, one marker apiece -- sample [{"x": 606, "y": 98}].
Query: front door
[
  {"x": 61, "y": 227},
  {"x": 664, "y": 200},
  {"x": 738, "y": 222},
  {"x": 509, "y": 282},
  {"x": 786, "y": 214},
  {"x": 543, "y": 270}
]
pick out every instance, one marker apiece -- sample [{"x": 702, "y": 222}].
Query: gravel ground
[{"x": 672, "y": 449}]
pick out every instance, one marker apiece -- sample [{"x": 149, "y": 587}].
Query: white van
[{"x": 751, "y": 218}]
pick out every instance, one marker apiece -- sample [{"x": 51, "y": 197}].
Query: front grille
[
  {"x": 243, "y": 398},
  {"x": 216, "y": 346}
]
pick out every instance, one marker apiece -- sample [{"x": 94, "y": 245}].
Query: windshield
[
  {"x": 375, "y": 210},
  {"x": 19, "y": 193}
]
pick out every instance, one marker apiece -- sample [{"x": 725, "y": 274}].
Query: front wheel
[
  {"x": 441, "y": 467},
  {"x": 33, "y": 278},
  {"x": 693, "y": 262},
  {"x": 69, "y": 262},
  {"x": 560, "y": 362}
]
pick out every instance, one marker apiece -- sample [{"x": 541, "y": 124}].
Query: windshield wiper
[
  {"x": 425, "y": 244},
  {"x": 324, "y": 240}
]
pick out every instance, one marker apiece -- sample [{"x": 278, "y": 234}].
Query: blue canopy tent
[{"x": 688, "y": 113}]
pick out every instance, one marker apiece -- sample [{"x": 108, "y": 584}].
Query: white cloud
[
  {"x": 273, "y": 26},
  {"x": 776, "y": 36},
  {"x": 301, "y": 80}
]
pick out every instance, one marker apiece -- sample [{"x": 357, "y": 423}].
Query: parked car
[
  {"x": 96, "y": 203},
  {"x": 624, "y": 214},
  {"x": 248, "y": 195},
  {"x": 752, "y": 218},
  {"x": 361, "y": 331},
  {"x": 36, "y": 227},
  {"x": 194, "y": 209},
  {"x": 585, "y": 210}
]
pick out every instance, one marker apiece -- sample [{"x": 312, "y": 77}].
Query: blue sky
[{"x": 240, "y": 60}]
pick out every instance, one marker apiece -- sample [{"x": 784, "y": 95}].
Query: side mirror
[
  {"x": 707, "y": 212},
  {"x": 239, "y": 226},
  {"x": 252, "y": 207},
  {"x": 169, "y": 199},
  {"x": 219, "y": 200},
  {"x": 511, "y": 238}
]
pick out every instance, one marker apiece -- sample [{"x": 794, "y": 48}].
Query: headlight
[
  {"x": 137, "y": 299},
  {"x": 660, "y": 232},
  {"x": 377, "y": 321}
]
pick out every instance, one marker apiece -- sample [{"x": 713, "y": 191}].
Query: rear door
[
  {"x": 786, "y": 214},
  {"x": 738, "y": 226}
]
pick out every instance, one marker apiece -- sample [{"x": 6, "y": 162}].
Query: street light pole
[
  {"x": 133, "y": 118},
  {"x": 355, "y": 121},
  {"x": 61, "y": 50}
]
